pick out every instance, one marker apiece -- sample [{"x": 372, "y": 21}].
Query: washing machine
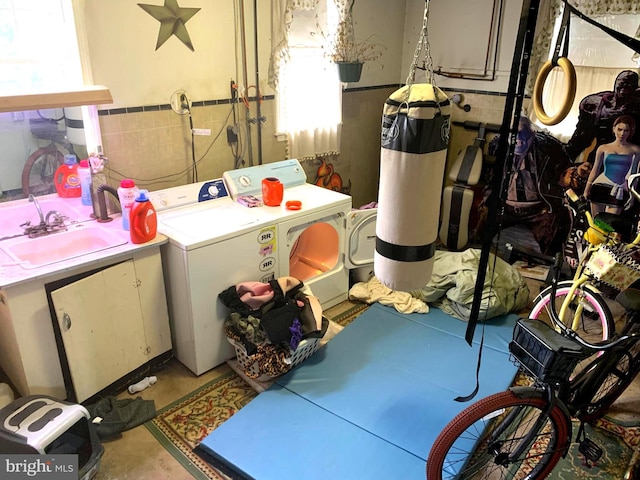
[{"x": 215, "y": 241}]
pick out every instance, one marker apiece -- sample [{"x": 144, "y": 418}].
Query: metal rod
[
  {"x": 245, "y": 79},
  {"x": 258, "y": 108}
]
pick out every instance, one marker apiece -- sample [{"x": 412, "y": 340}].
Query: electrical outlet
[{"x": 232, "y": 136}]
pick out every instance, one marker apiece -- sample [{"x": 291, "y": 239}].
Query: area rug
[
  {"x": 616, "y": 442},
  {"x": 181, "y": 426}
]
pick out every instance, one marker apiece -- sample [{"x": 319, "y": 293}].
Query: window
[
  {"x": 38, "y": 47},
  {"x": 309, "y": 94},
  {"x": 41, "y": 46},
  {"x": 598, "y": 59}
]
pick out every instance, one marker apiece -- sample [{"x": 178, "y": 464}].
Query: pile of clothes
[
  {"x": 270, "y": 322},
  {"x": 452, "y": 287}
]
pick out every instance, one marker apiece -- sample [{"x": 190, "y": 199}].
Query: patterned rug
[{"x": 182, "y": 425}]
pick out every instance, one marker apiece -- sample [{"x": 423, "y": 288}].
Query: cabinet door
[{"x": 101, "y": 327}]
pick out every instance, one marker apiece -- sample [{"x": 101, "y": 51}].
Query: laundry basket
[{"x": 306, "y": 348}]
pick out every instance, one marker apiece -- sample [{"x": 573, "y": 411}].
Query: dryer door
[
  {"x": 312, "y": 246},
  {"x": 361, "y": 238}
]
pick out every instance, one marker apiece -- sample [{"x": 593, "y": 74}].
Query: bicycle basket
[
  {"x": 543, "y": 352},
  {"x": 613, "y": 267}
]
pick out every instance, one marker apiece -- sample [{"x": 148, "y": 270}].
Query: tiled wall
[{"x": 153, "y": 144}]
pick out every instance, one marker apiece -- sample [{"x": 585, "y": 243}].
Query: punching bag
[{"x": 415, "y": 136}]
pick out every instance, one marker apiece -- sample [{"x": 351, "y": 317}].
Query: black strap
[
  {"x": 405, "y": 253},
  {"x": 482, "y": 135},
  {"x": 563, "y": 34},
  {"x": 455, "y": 217},
  {"x": 475, "y": 390},
  {"x": 632, "y": 43}
]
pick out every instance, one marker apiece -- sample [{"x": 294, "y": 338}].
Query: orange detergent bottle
[
  {"x": 143, "y": 221},
  {"x": 66, "y": 178}
]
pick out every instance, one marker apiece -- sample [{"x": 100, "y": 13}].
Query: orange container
[
  {"x": 272, "y": 191},
  {"x": 66, "y": 178},
  {"x": 143, "y": 221}
]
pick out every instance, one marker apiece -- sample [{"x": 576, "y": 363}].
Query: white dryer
[{"x": 215, "y": 242}]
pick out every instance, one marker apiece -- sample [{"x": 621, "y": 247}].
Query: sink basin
[
  {"x": 81, "y": 240},
  {"x": 12, "y": 217}
]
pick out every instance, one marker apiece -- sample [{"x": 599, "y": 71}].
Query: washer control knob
[
  {"x": 244, "y": 180},
  {"x": 213, "y": 191}
]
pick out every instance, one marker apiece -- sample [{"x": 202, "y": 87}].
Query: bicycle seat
[
  {"x": 630, "y": 299},
  {"x": 620, "y": 223}
]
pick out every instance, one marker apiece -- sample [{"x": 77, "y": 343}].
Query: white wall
[
  {"x": 122, "y": 39},
  {"x": 459, "y": 34}
]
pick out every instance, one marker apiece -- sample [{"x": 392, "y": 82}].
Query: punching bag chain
[{"x": 422, "y": 47}]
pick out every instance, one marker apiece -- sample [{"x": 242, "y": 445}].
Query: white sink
[
  {"x": 13, "y": 216},
  {"x": 78, "y": 241}
]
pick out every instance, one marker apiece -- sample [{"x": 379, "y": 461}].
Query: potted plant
[{"x": 342, "y": 48}]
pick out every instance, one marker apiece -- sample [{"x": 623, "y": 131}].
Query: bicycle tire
[
  {"x": 602, "y": 327},
  {"x": 608, "y": 379},
  {"x": 39, "y": 171},
  {"x": 509, "y": 412}
]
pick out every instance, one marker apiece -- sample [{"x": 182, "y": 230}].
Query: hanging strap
[
  {"x": 563, "y": 34},
  {"x": 632, "y": 43}
]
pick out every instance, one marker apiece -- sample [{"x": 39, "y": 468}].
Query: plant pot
[{"x": 349, "y": 72}]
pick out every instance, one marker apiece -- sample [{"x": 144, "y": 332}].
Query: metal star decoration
[{"x": 172, "y": 20}]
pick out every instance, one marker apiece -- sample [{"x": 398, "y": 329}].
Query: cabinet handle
[{"x": 66, "y": 321}]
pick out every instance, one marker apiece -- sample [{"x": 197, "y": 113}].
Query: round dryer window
[{"x": 315, "y": 251}]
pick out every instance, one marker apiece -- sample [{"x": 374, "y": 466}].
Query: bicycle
[
  {"x": 524, "y": 431},
  {"x": 40, "y": 168},
  {"x": 579, "y": 301}
]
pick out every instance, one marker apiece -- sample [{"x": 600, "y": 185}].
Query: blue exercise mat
[{"x": 367, "y": 405}]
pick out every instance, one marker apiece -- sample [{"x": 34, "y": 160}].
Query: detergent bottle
[
  {"x": 143, "y": 221},
  {"x": 127, "y": 195},
  {"x": 66, "y": 179},
  {"x": 84, "y": 174}
]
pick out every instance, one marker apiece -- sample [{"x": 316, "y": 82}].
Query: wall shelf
[{"x": 93, "y": 95}]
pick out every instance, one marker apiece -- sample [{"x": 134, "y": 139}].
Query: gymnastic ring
[{"x": 570, "y": 92}]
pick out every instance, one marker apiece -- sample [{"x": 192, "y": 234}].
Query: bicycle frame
[{"x": 595, "y": 237}]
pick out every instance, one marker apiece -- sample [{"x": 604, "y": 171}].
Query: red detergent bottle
[
  {"x": 66, "y": 178},
  {"x": 143, "y": 221}
]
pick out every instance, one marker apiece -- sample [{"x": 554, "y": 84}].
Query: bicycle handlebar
[{"x": 582, "y": 206}]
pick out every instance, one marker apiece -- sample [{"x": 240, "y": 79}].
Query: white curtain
[
  {"x": 548, "y": 13},
  {"x": 309, "y": 94},
  {"x": 597, "y": 57}
]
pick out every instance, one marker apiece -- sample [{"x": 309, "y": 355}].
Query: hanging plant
[{"x": 342, "y": 48}]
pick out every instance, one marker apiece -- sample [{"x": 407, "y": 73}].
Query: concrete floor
[{"x": 137, "y": 455}]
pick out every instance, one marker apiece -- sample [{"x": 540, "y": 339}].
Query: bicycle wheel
[
  {"x": 594, "y": 317},
  {"x": 608, "y": 376},
  {"x": 39, "y": 171},
  {"x": 477, "y": 443}
]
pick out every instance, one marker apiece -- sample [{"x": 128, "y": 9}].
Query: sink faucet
[
  {"x": 58, "y": 219},
  {"x": 37, "y": 205},
  {"x": 102, "y": 202}
]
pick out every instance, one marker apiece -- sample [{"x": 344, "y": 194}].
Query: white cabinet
[
  {"x": 111, "y": 322},
  {"x": 100, "y": 322}
]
